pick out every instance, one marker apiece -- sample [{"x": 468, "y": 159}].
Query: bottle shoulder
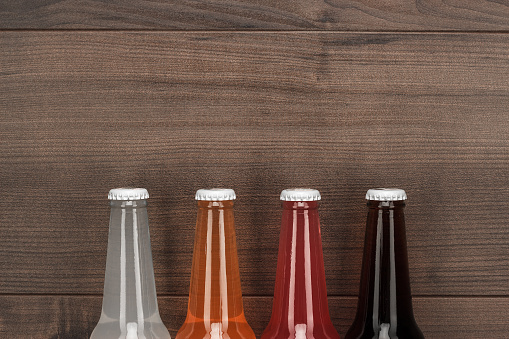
[{"x": 407, "y": 330}]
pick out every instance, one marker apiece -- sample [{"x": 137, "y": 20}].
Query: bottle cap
[
  {"x": 386, "y": 194},
  {"x": 215, "y": 194},
  {"x": 300, "y": 194},
  {"x": 127, "y": 193}
]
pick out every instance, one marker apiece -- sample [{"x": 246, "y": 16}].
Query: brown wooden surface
[
  {"x": 258, "y": 112},
  {"x": 401, "y": 15},
  {"x": 71, "y": 317},
  {"x": 173, "y": 104}
]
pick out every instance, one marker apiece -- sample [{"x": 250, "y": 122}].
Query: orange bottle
[{"x": 215, "y": 308}]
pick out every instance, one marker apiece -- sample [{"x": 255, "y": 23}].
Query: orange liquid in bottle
[{"x": 215, "y": 299}]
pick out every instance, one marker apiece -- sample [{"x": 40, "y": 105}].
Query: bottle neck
[
  {"x": 300, "y": 293},
  {"x": 215, "y": 295},
  {"x": 128, "y": 204},
  {"x": 385, "y": 296},
  {"x": 129, "y": 287},
  {"x": 386, "y": 228},
  {"x": 300, "y": 205},
  {"x": 215, "y": 205}
]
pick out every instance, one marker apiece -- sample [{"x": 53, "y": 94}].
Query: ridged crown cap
[
  {"x": 386, "y": 194},
  {"x": 127, "y": 193},
  {"x": 215, "y": 194},
  {"x": 300, "y": 194}
]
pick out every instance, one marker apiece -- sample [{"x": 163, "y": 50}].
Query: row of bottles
[{"x": 215, "y": 310}]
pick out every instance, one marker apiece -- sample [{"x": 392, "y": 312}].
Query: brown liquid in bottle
[
  {"x": 215, "y": 299},
  {"x": 384, "y": 309}
]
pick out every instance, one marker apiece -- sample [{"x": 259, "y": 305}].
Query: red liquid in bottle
[{"x": 300, "y": 308}]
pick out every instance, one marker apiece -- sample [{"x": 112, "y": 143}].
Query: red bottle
[{"x": 300, "y": 307}]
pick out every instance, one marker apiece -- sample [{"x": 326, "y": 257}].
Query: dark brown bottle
[{"x": 384, "y": 310}]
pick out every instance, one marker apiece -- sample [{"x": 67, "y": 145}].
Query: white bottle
[{"x": 129, "y": 309}]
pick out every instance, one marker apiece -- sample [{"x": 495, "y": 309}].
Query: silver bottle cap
[
  {"x": 215, "y": 194},
  {"x": 386, "y": 194},
  {"x": 127, "y": 193},
  {"x": 300, "y": 194}
]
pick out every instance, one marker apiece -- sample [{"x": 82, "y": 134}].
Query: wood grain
[
  {"x": 82, "y": 112},
  {"x": 73, "y": 317},
  {"x": 359, "y": 15}
]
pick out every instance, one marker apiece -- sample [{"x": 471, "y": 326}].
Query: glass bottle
[
  {"x": 129, "y": 309},
  {"x": 384, "y": 309},
  {"x": 300, "y": 309},
  {"x": 215, "y": 307}
]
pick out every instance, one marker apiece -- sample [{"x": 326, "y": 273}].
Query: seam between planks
[{"x": 79, "y": 30}]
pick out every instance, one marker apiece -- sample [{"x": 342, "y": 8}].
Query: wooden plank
[
  {"x": 82, "y": 112},
  {"x": 70, "y": 317},
  {"x": 347, "y": 15}
]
